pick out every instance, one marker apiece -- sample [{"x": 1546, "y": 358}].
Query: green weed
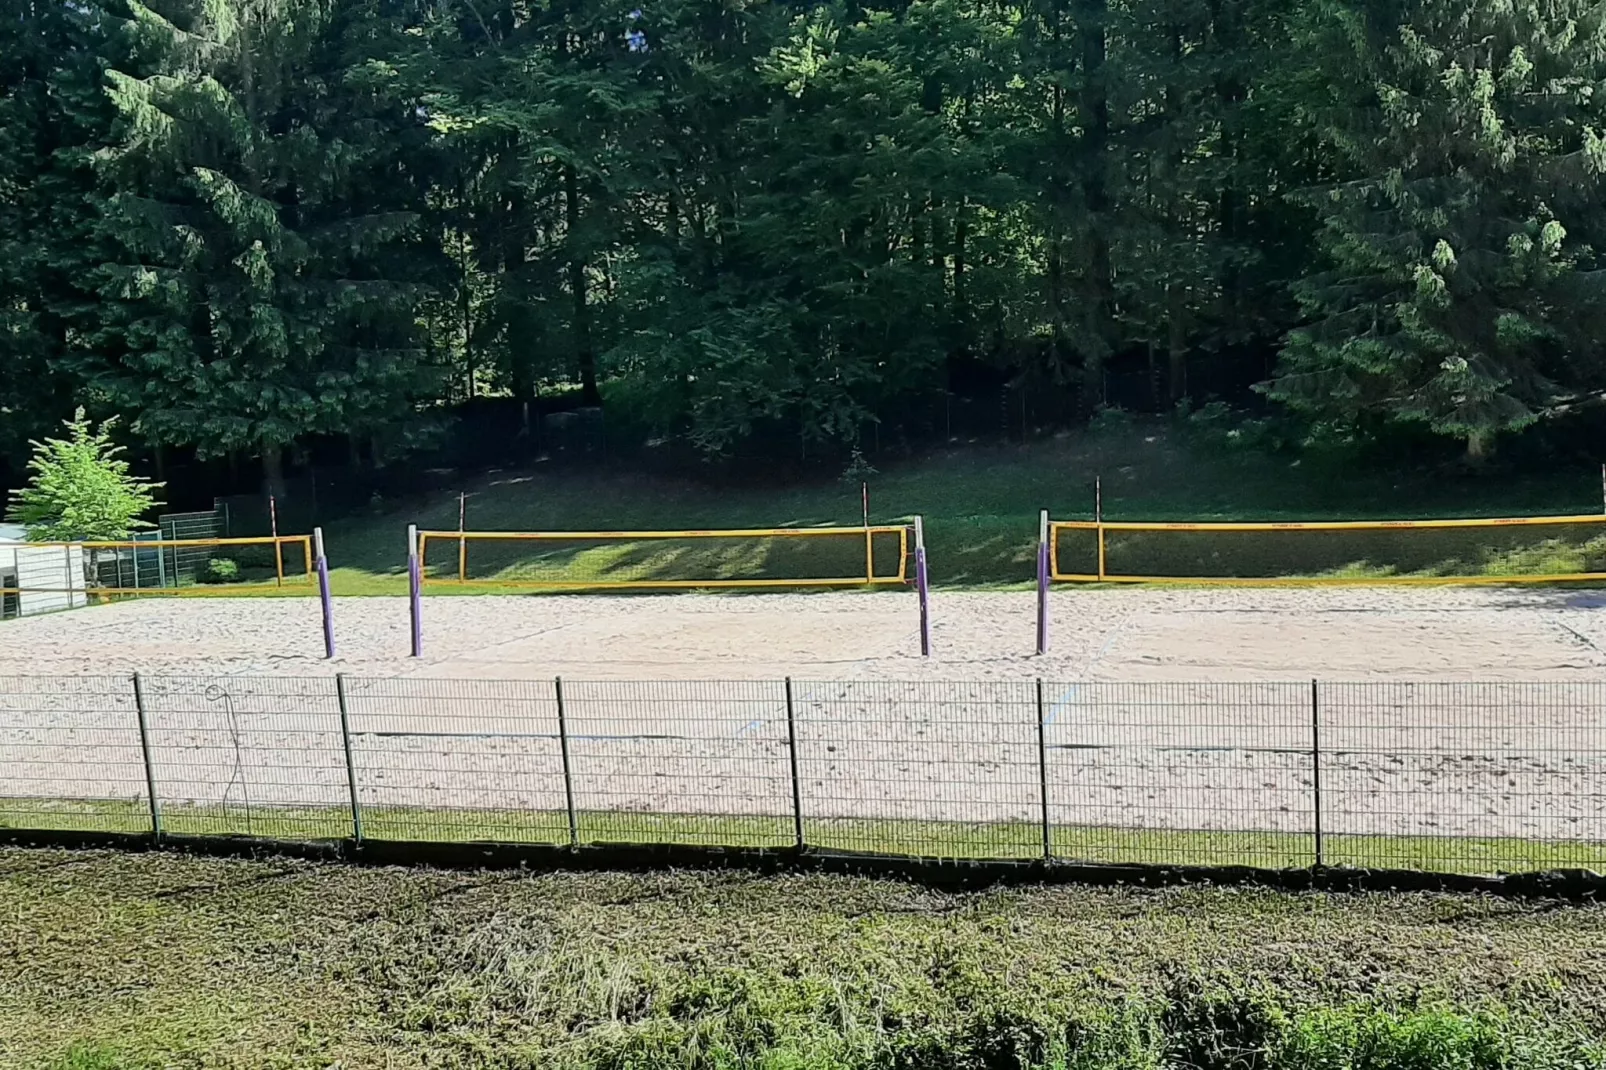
[{"x": 139, "y": 961}]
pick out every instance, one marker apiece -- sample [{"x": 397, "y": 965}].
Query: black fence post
[
  {"x": 351, "y": 766},
  {"x": 1042, "y": 772},
  {"x": 150, "y": 765},
  {"x": 791, "y": 750},
  {"x": 568, "y": 774},
  {"x": 1316, "y": 770}
]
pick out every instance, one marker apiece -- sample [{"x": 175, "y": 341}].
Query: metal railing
[{"x": 1446, "y": 777}]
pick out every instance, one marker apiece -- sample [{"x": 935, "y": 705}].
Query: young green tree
[{"x": 81, "y": 488}]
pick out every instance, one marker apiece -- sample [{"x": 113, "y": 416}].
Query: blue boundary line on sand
[
  {"x": 757, "y": 721},
  {"x": 1068, "y": 696}
]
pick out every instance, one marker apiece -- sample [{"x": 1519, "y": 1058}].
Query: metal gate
[{"x": 161, "y": 565}]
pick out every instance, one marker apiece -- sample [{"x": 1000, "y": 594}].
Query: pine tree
[
  {"x": 1465, "y": 209},
  {"x": 264, "y": 221},
  {"x": 52, "y": 119}
]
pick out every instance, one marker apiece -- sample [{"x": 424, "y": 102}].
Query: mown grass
[
  {"x": 138, "y": 962},
  {"x": 981, "y": 505},
  {"x": 1008, "y": 841}
]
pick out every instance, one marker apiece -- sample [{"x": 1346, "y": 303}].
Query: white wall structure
[{"x": 42, "y": 579}]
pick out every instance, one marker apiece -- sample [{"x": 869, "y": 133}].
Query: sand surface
[
  {"x": 1465, "y": 712},
  {"x": 1129, "y": 635}
]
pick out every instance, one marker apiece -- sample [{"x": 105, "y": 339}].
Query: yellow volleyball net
[
  {"x": 1501, "y": 551},
  {"x": 1495, "y": 551},
  {"x": 752, "y": 558},
  {"x": 873, "y": 555},
  {"x": 43, "y": 576}
]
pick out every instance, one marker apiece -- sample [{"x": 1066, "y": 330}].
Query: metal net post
[
  {"x": 568, "y": 765},
  {"x": 1042, "y": 582},
  {"x": 1316, "y": 773},
  {"x": 326, "y": 603},
  {"x": 145, "y": 751},
  {"x": 278, "y": 547},
  {"x": 923, "y": 586},
  {"x": 797, "y": 784},
  {"x": 1042, "y": 772},
  {"x": 351, "y": 765},
  {"x": 415, "y": 606}
]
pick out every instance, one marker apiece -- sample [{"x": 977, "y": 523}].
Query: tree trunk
[
  {"x": 1154, "y": 376},
  {"x": 1178, "y": 232},
  {"x": 961, "y": 311},
  {"x": 961, "y": 306},
  {"x": 1176, "y": 295},
  {"x": 1059, "y": 164},
  {"x": 584, "y": 355},
  {"x": 1231, "y": 91},
  {"x": 466, "y": 309},
  {"x": 1095, "y": 102},
  {"x": 515, "y": 225},
  {"x": 273, "y": 469}
]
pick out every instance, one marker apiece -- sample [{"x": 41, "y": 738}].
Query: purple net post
[
  {"x": 415, "y": 606},
  {"x": 1042, "y": 584},
  {"x": 322, "y": 565},
  {"x": 923, "y": 586}
]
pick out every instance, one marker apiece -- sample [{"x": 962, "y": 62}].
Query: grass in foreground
[
  {"x": 138, "y": 962},
  {"x": 1018, "y": 841},
  {"x": 981, "y": 505}
]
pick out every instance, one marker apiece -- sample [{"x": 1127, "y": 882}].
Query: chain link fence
[{"x": 1440, "y": 777}]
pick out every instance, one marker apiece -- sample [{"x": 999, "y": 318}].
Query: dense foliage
[{"x": 247, "y": 222}]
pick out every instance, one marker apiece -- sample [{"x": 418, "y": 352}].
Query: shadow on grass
[
  {"x": 1000, "y": 841},
  {"x": 981, "y": 504},
  {"x": 601, "y": 563}
]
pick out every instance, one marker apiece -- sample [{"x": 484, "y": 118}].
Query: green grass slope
[{"x": 981, "y": 505}]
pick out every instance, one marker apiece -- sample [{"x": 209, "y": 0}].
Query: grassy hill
[{"x": 980, "y": 503}]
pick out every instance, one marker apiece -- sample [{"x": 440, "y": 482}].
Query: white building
[{"x": 38, "y": 579}]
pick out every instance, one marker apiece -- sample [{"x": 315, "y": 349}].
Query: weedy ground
[{"x": 136, "y": 961}]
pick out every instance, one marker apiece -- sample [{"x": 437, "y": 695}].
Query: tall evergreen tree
[
  {"x": 262, "y": 215},
  {"x": 1468, "y": 202},
  {"x": 52, "y": 119}
]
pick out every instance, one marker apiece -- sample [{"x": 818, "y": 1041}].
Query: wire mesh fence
[
  {"x": 70, "y": 754},
  {"x": 934, "y": 768},
  {"x": 246, "y": 756},
  {"x": 1448, "y": 777},
  {"x": 449, "y": 760}
]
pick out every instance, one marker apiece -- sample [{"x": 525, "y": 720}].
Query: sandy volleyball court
[
  {"x": 1444, "y": 713},
  {"x": 1128, "y": 635}
]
